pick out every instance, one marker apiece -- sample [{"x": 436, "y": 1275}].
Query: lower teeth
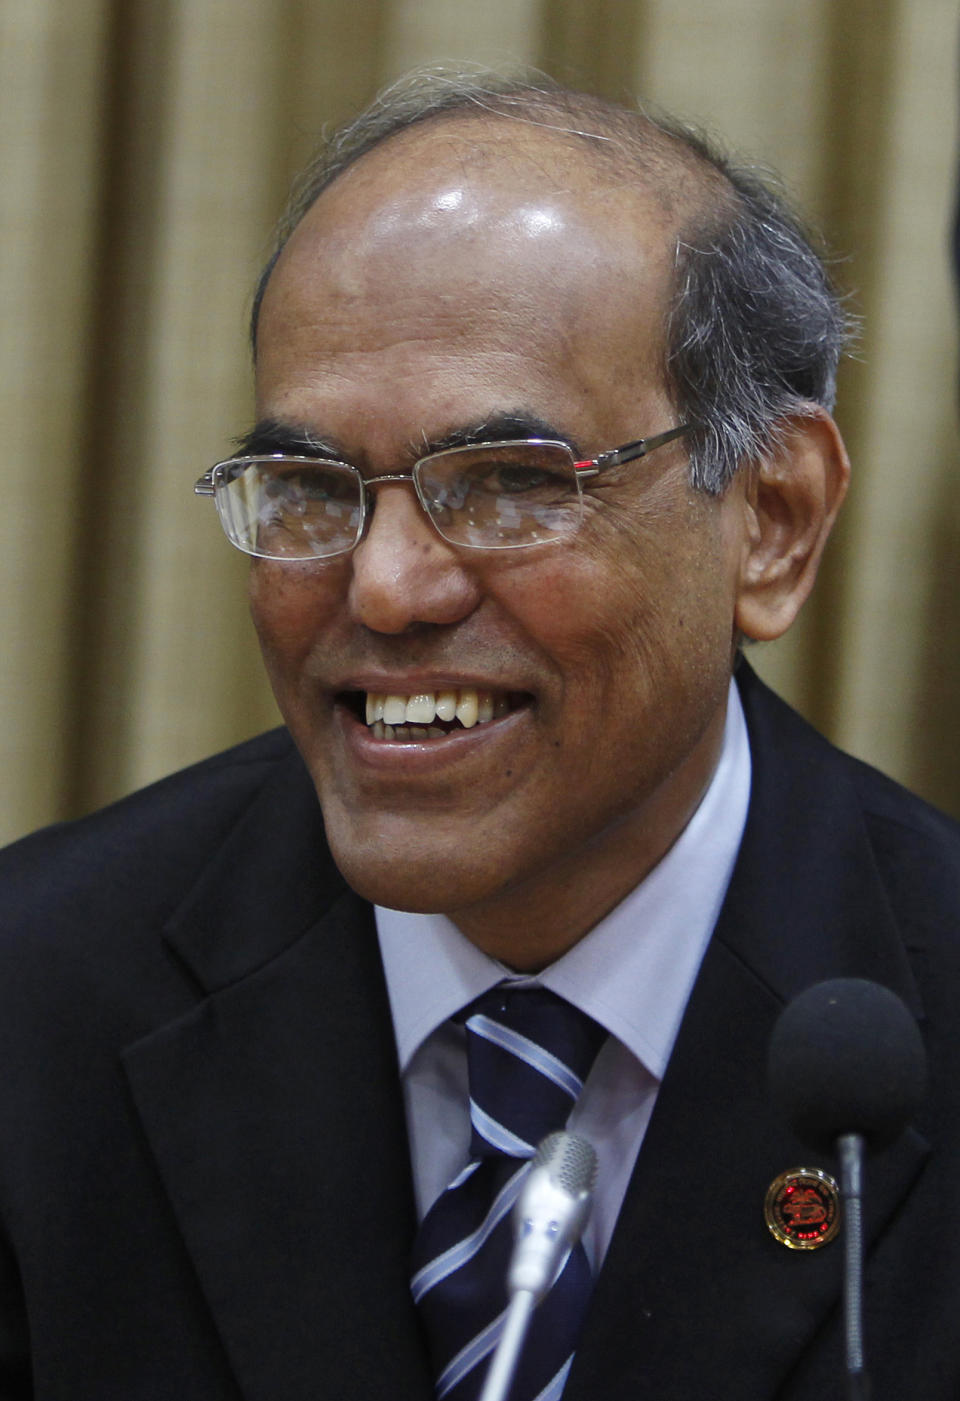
[{"x": 409, "y": 734}]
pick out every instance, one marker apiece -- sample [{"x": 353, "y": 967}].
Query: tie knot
[{"x": 528, "y": 1054}]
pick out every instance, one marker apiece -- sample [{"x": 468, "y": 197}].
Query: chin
[
  {"x": 413, "y": 886},
  {"x": 421, "y": 876}
]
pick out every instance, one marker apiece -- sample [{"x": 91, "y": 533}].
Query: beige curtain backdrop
[{"x": 147, "y": 145}]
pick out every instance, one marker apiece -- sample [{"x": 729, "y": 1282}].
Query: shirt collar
[{"x": 632, "y": 972}]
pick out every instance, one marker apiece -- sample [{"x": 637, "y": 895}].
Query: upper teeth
[{"x": 466, "y": 704}]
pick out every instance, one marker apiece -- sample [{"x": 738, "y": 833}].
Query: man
[{"x": 233, "y": 1096}]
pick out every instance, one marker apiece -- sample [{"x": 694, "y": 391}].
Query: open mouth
[{"x": 408, "y": 719}]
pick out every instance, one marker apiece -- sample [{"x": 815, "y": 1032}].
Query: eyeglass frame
[{"x": 584, "y": 470}]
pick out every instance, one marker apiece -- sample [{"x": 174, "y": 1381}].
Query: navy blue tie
[{"x": 528, "y": 1053}]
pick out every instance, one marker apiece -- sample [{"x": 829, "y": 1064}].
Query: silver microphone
[
  {"x": 549, "y": 1217},
  {"x": 551, "y": 1211}
]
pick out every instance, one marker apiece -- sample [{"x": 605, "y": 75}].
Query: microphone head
[
  {"x": 551, "y": 1211},
  {"x": 570, "y": 1159},
  {"x": 846, "y": 1057}
]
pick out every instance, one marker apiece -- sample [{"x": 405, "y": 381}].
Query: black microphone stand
[
  {"x": 847, "y": 1067},
  {"x": 850, "y": 1149}
]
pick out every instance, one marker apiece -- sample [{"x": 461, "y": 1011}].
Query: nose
[{"x": 403, "y": 573}]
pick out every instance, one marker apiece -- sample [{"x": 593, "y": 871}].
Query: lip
[
  {"x": 412, "y": 683},
  {"x": 427, "y": 755}
]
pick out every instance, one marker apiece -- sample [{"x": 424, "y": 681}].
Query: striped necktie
[{"x": 528, "y": 1053}]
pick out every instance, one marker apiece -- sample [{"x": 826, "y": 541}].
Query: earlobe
[{"x": 791, "y": 501}]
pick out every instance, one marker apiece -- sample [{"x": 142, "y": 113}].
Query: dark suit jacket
[{"x": 204, "y": 1182}]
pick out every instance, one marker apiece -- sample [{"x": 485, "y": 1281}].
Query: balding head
[
  {"x": 485, "y": 230},
  {"x": 752, "y": 329}
]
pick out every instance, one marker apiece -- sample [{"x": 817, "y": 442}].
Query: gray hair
[{"x": 755, "y": 328}]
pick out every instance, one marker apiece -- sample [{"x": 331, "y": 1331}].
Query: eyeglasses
[{"x": 495, "y": 496}]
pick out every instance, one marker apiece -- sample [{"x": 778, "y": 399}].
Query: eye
[
  {"x": 302, "y": 497},
  {"x": 300, "y": 489},
  {"x": 532, "y": 471},
  {"x": 501, "y": 494},
  {"x": 308, "y": 510},
  {"x": 514, "y": 478}
]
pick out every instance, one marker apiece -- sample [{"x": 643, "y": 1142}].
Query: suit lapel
[
  {"x": 711, "y": 1302},
  {"x": 277, "y": 1130}
]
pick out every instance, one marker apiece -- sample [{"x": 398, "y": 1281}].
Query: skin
[{"x": 465, "y": 270}]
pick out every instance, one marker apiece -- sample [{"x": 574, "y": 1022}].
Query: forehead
[{"x": 488, "y": 250}]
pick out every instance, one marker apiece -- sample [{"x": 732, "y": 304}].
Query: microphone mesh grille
[{"x": 570, "y": 1159}]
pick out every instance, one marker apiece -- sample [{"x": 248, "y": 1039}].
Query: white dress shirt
[{"x": 632, "y": 972}]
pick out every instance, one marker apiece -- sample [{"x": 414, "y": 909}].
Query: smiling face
[{"x": 472, "y": 275}]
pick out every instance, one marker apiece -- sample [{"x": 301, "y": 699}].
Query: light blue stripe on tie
[
  {"x": 442, "y": 1265},
  {"x": 526, "y": 1050},
  {"x": 496, "y": 1134},
  {"x": 554, "y": 1388},
  {"x": 462, "y": 1177},
  {"x": 468, "y": 1357}
]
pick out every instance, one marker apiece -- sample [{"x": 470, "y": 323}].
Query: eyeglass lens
[
  {"x": 513, "y": 494},
  {"x": 504, "y": 496},
  {"x": 290, "y": 510}
]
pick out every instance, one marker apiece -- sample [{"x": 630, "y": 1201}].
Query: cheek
[
  {"x": 610, "y": 601},
  {"x": 635, "y": 610},
  {"x": 289, "y": 604}
]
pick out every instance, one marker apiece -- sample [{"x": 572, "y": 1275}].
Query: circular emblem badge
[{"x": 802, "y": 1208}]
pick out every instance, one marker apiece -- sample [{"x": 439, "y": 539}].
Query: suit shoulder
[
  {"x": 915, "y": 845},
  {"x": 889, "y": 804},
  {"x": 150, "y": 843},
  {"x": 917, "y": 850}
]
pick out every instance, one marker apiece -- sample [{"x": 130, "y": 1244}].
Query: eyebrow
[
  {"x": 269, "y": 436},
  {"x": 505, "y": 426}
]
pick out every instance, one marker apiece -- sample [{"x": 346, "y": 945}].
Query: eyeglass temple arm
[
  {"x": 588, "y": 468},
  {"x": 629, "y": 452}
]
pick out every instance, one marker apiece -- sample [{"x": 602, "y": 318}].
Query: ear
[{"x": 791, "y": 499}]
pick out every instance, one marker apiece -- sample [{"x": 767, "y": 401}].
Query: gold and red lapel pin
[{"x": 802, "y": 1208}]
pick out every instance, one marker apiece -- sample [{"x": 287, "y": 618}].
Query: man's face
[{"x": 460, "y": 274}]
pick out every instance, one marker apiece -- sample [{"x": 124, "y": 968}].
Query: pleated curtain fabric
[{"x": 147, "y": 146}]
